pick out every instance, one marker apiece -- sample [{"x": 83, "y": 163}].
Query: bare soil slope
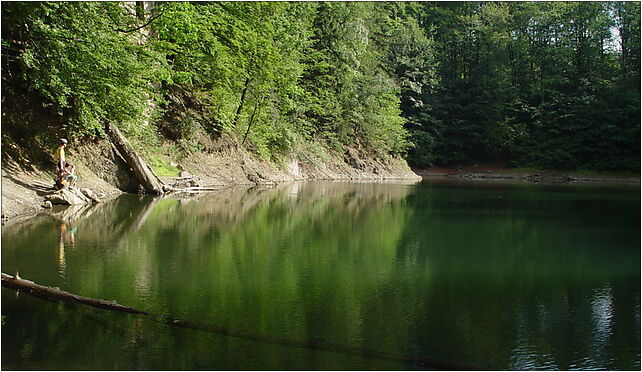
[{"x": 101, "y": 169}]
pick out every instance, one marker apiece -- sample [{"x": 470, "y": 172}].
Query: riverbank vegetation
[{"x": 552, "y": 85}]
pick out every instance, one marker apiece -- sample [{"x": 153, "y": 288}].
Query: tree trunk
[
  {"x": 143, "y": 173},
  {"x": 249, "y": 124},
  {"x": 15, "y": 282},
  {"x": 243, "y": 94}
]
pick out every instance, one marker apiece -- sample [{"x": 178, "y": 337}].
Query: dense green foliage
[
  {"x": 540, "y": 83},
  {"x": 543, "y": 84},
  {"x": 73, "y": 55}
]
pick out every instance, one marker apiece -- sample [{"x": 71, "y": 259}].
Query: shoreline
[
  {"x": 23, "y": 210},
  {"x": 21, "y": 200},
  {"x": 532, "y": 176}
]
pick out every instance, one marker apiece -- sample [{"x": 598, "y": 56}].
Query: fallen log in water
[{"x": 17, "y": 283}]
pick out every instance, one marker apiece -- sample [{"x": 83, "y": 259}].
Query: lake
[{"x": 334, "y": 275}]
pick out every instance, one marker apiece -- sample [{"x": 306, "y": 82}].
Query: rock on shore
[{"x": 73, "y": 196}]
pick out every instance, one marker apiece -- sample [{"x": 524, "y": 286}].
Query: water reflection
[
  {"x": 448, "y": 272},
  {"x": 67, "y": 234},
  {"x": 602, "y": 309},
  {"x": 66, "y": 220}
]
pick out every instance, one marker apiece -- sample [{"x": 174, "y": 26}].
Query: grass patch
[
  {"x": 161, "y": 165},
  {"x": 161, "y": 157}
]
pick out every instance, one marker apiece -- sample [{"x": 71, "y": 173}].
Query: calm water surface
[{"x": 488, "y": 275}]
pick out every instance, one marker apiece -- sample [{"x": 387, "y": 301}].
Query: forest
[{"x": 551, "y": 85}]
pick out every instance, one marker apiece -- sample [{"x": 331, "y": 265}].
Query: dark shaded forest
[{"x": 553, "y": 85}]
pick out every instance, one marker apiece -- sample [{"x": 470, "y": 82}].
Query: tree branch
[{"x": 144, "y": 25}]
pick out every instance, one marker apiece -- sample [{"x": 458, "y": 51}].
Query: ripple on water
[
  {"x": 602, "y": 312},
  {"x": 526, "y": 357},
  {"x": 584, "y": 364},
  {"x": 523, "y": 358}
]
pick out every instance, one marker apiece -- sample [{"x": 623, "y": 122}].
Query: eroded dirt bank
[
  {"x": 225, "y": 163},
  {"x": 100, "y": 168}
]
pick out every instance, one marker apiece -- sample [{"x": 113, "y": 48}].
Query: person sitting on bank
[{"x": 68, "y": 178}]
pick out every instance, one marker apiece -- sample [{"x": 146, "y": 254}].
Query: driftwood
[
  {"x": 192, "y": 190},
  {"x": 143, "y": 173},
  {"x": 17, "y": 283},
  {"x": 186, "y": 181}
]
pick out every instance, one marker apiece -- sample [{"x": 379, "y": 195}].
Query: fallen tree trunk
[
  {"x": 15, "y": 282},
  {"x": 143, "y": 173}
]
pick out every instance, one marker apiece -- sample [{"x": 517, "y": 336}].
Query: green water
[{"x": 487, "y": 275}]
